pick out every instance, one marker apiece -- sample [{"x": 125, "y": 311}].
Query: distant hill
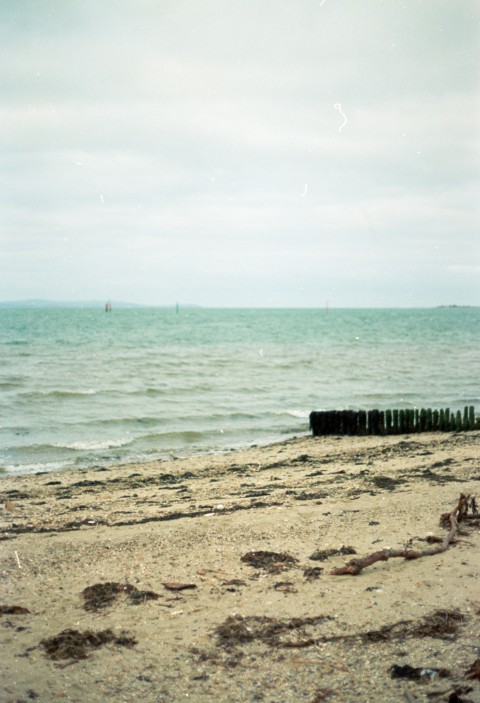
[
  {"x": 64, "y": 304},
  {"x": 40, "y": 303}
]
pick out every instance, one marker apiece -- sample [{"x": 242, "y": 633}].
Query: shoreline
[
  {"x": 179, "y": 529},
  {"x": 169, "y": 455}
]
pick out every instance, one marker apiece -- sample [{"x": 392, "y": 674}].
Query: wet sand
[{"x": 218, "y": 584}]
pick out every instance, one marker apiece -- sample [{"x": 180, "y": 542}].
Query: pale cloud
[{"x": 179, "y": 149}]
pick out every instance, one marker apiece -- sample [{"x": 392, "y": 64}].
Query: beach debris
[
  {"x": 238, "y": 629},
  {"x": 102, "y": 595},
  {"x": 323, "y": 554},
  {"x": 285, "y": 587},
  {"x": 234, "y": 582},
  {"x": 13, "y": 610},
  {"x": 227, "y": 657},
  {"x": 313, "y": 572},
  {"x": 139, "y": 597},
  {"x": 439, "y": 624},
  {"x": 417, "y": 673},
  {"x": 387, "y": 482},
  {"x": 270, "y": 561},
  {"x": 86, "y": 483},
  {"x": 322, "y": 695},
  {"x": 474, "y": 671},
  {"x": 232, "y": 585},
  {"x": 15, "y": 494},
  {"x": 454, "y": 518},
  {"x": 433, "y": 539},
  {"x": 173, "y": 586},
  {"x": 73, "y": 644},
  {"x": 458, "y": 691},
  {"x": 461, "y": 512},
  {"x": 77, "y": 524},
  {"x": 306, "y": 495}
]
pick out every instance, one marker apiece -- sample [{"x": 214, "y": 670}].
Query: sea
[{"x": 81, "y": 387}]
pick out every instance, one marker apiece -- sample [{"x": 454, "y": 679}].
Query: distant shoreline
[{"x": 99, "y": 304}]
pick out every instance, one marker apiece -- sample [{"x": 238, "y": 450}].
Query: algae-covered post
[
  {"x": 441, "y": 425},
  {"x": 395, "y": 422},
  {"x": 388, "y": 421}
]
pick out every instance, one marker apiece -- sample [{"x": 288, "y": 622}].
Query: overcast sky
[{"x": 240, "y": 152}]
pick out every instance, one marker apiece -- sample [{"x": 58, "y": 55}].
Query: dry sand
[{"x": 273, "y": 632}]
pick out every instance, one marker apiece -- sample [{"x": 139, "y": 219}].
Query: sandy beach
[{"x": 208, "y": 578}]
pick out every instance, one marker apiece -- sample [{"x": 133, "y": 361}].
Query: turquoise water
[{"x": 80, "y": 387}]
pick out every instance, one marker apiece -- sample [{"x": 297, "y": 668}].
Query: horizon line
[{"x": 39, "y": 302}]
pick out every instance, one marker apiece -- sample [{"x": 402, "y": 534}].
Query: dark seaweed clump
[
  {"x": 102, "y": 595},
  {"x": 13, "y": 610},
  {"x": 323, "y": 554},
  {"x": 238, "y": 630},
  {"x": 72, "y": 644},
  {"x": 271, "y": 561}
]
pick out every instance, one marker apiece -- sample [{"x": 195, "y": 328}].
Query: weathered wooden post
[
  {"x": 441, "y": 424},
  {"x": 332, "y": 422},
  {"x": 369, "y": 422},
  {"x": 326, "y": 422},
  {"x": 381, "y": 422},
  {"x": 458, "y": 421},
  {"x": 375, "y": 427},
  {"x": 317, "y": 423},
  {"x": 409, "y": 426},
  {"x": 362, "y": 422},
  {"x": 411, "y": 420},
  {"x": 423, "y": 420},
  {"x": 471, "y": 417},
  {"x": 351, "y": 421},
  {"x": 336, "y": 422},
  {"x": 435, "y": 421},
  {"x": 452, "y": 422},
  {"x": 428, "y": 421},
  {"x": 323, "y": 417},
  {"x": 388, "y": 422},
  {"x": 395, "y": 422}
]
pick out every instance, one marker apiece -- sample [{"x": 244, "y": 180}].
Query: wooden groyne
[{"x": 391, "y": 422}]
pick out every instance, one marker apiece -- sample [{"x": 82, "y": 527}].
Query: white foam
[
  {"x": 94, "y": 444},
  {"x": 34, "y": 468},
  {"x": 302, "y": 414}
]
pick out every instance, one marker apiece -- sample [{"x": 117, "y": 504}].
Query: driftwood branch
[{"x": 453, "y": 518}]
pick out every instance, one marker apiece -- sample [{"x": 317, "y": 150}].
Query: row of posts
[{"x": 387, "y": 422}]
